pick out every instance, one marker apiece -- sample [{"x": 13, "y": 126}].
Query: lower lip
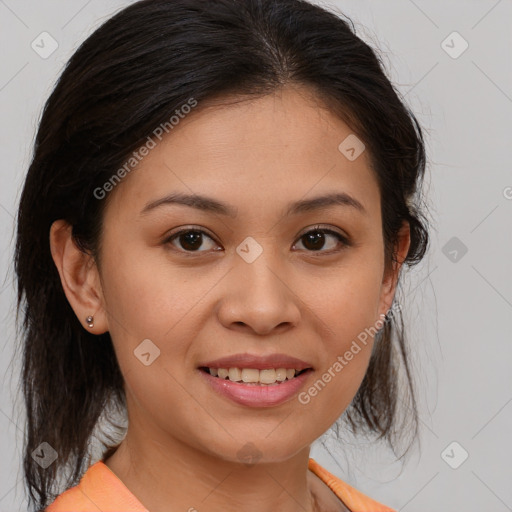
[{"x": 262, "y": 395}]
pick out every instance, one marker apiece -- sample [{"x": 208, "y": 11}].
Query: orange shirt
[{"x": 100, "y": 490}]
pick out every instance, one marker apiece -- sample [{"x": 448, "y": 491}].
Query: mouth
[
  {"x": 256, "y": 381},
  {"x": 255, "y": 376}
]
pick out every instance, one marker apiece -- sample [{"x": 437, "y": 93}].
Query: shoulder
[
  {"x": 355, "y": 500},
  {"x": 99, "y": 490}
]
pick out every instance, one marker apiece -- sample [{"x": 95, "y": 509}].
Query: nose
[{"x": 259, "y": 297}]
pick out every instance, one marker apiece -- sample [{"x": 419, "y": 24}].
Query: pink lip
[
  {"x": 257, "y": 362},
  {"x": 256, "y": 395}
]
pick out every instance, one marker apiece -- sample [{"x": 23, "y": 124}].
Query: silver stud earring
[{"x": 89, "y": 321}]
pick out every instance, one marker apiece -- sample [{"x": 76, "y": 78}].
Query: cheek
[
  {"x": 347, "y": 306},
  {"x": 347, "y": 302},
  {"x": 347, "y": 347},
  {"x": 150, "y": 300},
  {"x": 147, "y": 296}
]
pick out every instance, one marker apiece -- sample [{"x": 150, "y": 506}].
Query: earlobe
[{"x": 79, "y": 278}]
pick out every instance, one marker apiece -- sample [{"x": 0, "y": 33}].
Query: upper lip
[{"x": 257, "y": 362}]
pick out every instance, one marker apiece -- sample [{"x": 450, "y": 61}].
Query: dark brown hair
[{"x": 127, "y": 78}]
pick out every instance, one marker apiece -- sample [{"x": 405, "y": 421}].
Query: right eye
[{"x": 190, "y": 239}]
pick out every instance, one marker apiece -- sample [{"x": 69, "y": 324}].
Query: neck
[{"x": 175, "y": 476}]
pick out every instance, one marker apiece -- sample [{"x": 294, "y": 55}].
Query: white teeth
[
  {"x": 268, "y": 376},
  {"x": 235, "y": 374},
  {"x": 280, "y": 374},
  {"x": 222, "y": 373},
  {"x": 250, "y": 375},
  {"x": 253, "y": 375}
]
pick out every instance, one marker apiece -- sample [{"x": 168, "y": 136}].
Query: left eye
[{"x": 315, "y": 239}]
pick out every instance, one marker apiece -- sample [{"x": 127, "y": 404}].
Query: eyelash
[{"x": 341, "y": 238}]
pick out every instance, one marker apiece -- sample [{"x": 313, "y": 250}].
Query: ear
[
  {"x": 392, "y": 273},
  {"x": 79, "y": 277}
]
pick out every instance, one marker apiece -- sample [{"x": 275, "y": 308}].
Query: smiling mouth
[{"x": 254, "y": 376}]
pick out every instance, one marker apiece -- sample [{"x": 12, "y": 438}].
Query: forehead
[{"x": 261, "y": 152}]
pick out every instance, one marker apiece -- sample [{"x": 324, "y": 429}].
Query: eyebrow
[{"x": 208, "y": 204}]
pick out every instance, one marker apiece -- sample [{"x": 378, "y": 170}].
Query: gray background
[{"x": 457, "y": 309}]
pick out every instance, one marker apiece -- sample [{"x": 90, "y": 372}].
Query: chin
[{"x": 263, "y": 450}]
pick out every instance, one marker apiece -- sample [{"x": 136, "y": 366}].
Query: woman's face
[{"x": 253, "y": 282}]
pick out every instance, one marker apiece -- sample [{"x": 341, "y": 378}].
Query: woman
[{"x": 210, "y": 237}]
